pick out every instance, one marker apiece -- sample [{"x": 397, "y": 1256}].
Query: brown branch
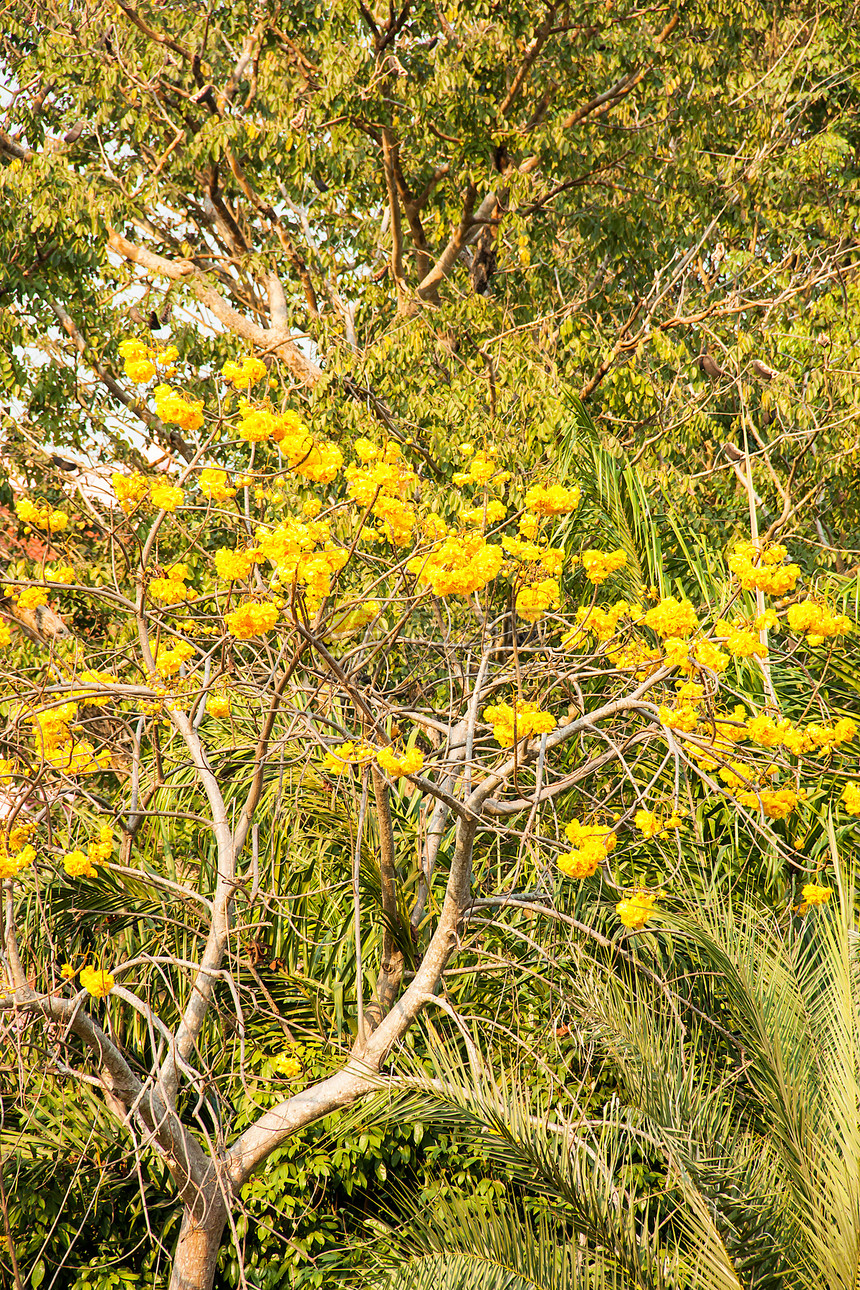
[
  {"x": 391, "y": 967},
  {"x": 389, "y": 152},
  {"x": 152, "y": 34},
  {"x": 428, "y": 288},
  {"x": 541, "y": 36},
  {"x": 276, "y": 341}
]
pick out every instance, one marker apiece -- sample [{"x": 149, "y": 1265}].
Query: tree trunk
[{"x": 198, "y": 1245}]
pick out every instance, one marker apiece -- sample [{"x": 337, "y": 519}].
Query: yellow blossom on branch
[
  {"x": 598, "y": 565},
  {"x": 634, "y": 911},
  {"x": 247, "y": 372},
  {"x": 213, "y": 484},
  {"x": 175, "y": 409},
  {"x": 165, "y": 497},
  {"x": 518, "y": 722},
  {"x": 591, "y": 845},
  {"x": 851, "y": 798},
  {"x": 815, "y": 895},
  {"x": 43, "y": 517},
  {"x": 129, "y": 490},
  {"x": 252, "y": 619},
  {"x": 672, "y": 617},
  {"x": 533, "y": 602},
  {"x": 555, "y": 500},
  {"x": 96, "y": 982},
  {"x": 816, "y": 621},
  {"x": 408, "y": 763},
  {"x": 763, "y": 570}
]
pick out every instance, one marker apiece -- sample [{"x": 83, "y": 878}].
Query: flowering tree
[{"x": 432, "y": 645}]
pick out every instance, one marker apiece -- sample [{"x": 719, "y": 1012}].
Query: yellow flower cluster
[
  {"x": 213, "y": 484},
  {"x": 549, "y": 558},
  {"x": 684, "y": 716},
  {"x": 652, "y": 825},
  {"x": 763, "y": 570},
  {"x": 171, "y": 590},
  {"x": 62, "y": 573},
  {"x": 385, "y": 482},
  {"x": 303, "y": 555},
  {"x": 533, "y": 602},
  {"x": 142, "y": 361},
  {"x": 16, "y": 854},
  {"x": 233, "y": 566},
  {"x": 461, "y": 565},
  {"x": 218, "y": 705},
  {"x": 58, "y": 746},
  {"x": 348, "y": 754},
  {"x": 602, "y": 623},
  {"x": 519, "y": 722},
  {"x": 166, "y": 497},
  {"x": 598, "y": 565},
  {"x": 96, "y": 982},
  {"x": 129, "y": 490},
  {"x": 174, "y": 409},
  {"x": 740, "y": 640},
  {"x": 591, "y": 845},
  {"x": 769, "y": 733},
  {"x": 169, "y": 659},
  {"x": 816, "y": 621},
  {"x": 482, "y": 468},
  {"x": 555, "y": 500},
  {"x": 776, "y": 803},
  {"x": 317, "y": 462},
  {"x": 635, "y": 910},
  {"x": 408, "y": 763},
  {"x": 672, "y": 617},
  {"x": 243, "y": 374},
  {"x": 32, "y": 597},
  {"x": 252, "y": 619},
  {"x": 79, "y": 864},
  {"x": 43, "y": 517},
  {"x": 851, "y": 798},
  {"x": 90, "y": 677},
  {"x": 815, "y": 895},
  {"x": 478, "y": 515}
]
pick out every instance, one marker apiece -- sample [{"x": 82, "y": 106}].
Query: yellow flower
[
  {"x": 776, "y": 804},
  {"x": 815, "y": 895},
  {"x": 816, "y": 621},
  {"x": 554, "y": 500},
  {"x": 635, "y": 910},
  {"x": 78, "y": 865},
  {"x": 32, "y": 597},
  {"x": 591, "y": 845},
  {"x": 598, "y": 565},
  {"x": 96, "y": 982},
  {"x": 252, "y": 619},
  {"x": 175, "y": 409},
  {"x": 408, "y": 763},
  {"x": 213, "y": 484},
  {"x": 169, "y": 659},
  {"x": 43, "y": 517},
  {"x": 672, "y": 617},
  {"x": 364, "y": 450},
  {"x": 851, "y": 798},
  {"x": 741, "y": 642},
  {"x": 339, "y": 759},
  {"x": 521, "y": 722},
  {"x": 534, "y": 601},
  {"x": 234, "y": 565},
  {"x": 67, "y": 972},
  {"x": 165, "y": 497},
  {"x": 248, "y": 372},
  {"x": 129, "y": 490},
  {"x": 218, "y": 705},
  {"x": 63, "y": 573},
  {"x": 171, "y": 591},
  {"x": 461, "y": 565},
  {"x": 763, "y": 570},
  {"x": 290, "y": 1068},
  {"x": 650, "y": 823}
]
